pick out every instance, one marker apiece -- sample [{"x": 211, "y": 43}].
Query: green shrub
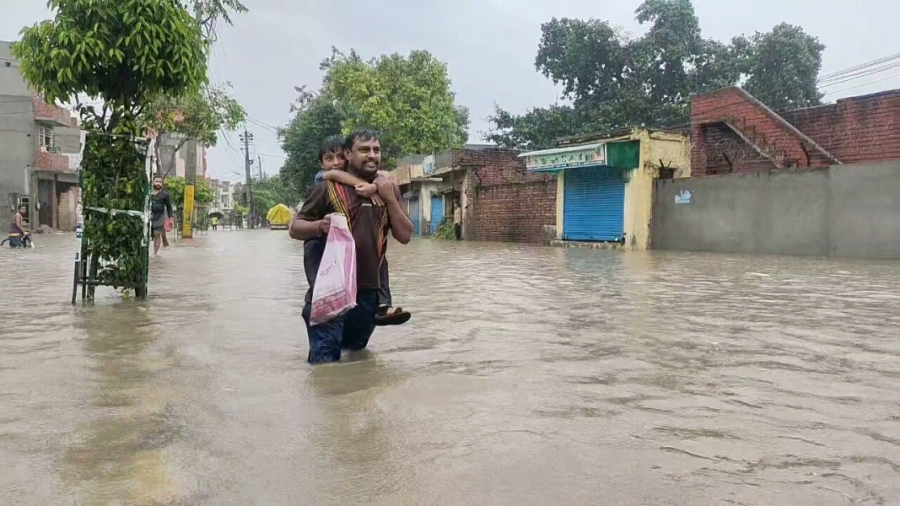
[{"x": 446, "y": 231}]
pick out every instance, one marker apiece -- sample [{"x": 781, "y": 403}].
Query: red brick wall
[
  {"x": 505, "y": 203},
  {"x": 852, "y": 130},
  {"x": 45, "y": 110},
  {"x": 51, "y": 161},
  {"x": 721, "y": 151},
  {"x": 856, "y": 129}
]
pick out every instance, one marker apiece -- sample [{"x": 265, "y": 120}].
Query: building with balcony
[
  {"x": 40, "y": 146},
  {"x": 224, "y": 192}
]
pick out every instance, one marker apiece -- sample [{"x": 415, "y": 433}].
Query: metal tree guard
[{"x": 89, "y": 263}]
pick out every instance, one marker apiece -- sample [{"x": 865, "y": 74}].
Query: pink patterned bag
[{"x": 335, "y": 290}]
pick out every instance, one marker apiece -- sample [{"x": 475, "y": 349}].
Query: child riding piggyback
[{"x": 333, "y": 168}]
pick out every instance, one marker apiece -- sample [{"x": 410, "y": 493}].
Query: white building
[
  {"x": 224, "y": 191},
  {"x": 190, "y": 155}
]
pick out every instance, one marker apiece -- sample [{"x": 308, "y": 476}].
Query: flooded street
[{"x": 528, "y": 375}]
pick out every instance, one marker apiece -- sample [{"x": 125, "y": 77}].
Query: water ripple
[{"x": 527, "y": 375}]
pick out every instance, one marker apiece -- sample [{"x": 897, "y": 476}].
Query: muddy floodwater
[{"x": 528, "y": 376}]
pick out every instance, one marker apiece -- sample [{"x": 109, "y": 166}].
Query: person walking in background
[
  {"x": 160, "y": 213},
  {"x": 214, "y": 221},
  {"x": 457, "y": 220}
]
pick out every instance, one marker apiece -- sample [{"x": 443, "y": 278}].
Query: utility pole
[
  {"x": 247, "y": 137},
  {"x": 190, "y": 167},
  {"x": 190, "y": 180}
]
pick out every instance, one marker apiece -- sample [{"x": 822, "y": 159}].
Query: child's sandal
[{"x": 392, "y": 316}]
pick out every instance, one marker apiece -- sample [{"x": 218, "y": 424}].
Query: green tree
[
  {"x": 197, "y": 116},
  {"x": 612, "y": 80},
  {"x": 208, "y": 12},
  {"x": 269, "y": 191},
  {"x": 125, "y": 54},
  {"x": 782, "y": 66},
  {"x": 315, "y": 119},
  {"x": 539, "y": 128},
  {"x": 203, "y": 193},
  {"x": 407, "y": 98}
]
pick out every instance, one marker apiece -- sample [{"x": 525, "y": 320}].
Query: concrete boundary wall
[{"x": 839, "y": 211}]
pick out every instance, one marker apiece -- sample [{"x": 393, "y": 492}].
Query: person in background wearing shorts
[{"x": 160, "y": 214}]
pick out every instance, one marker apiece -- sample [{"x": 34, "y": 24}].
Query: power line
[
  {"x": 861, "y": 74},
  {"x": 225, "y": 57},
  {"x": 841, "y": 73},
  {"x": 863, "y": 84},
  {"x": 263, "y": 125}
]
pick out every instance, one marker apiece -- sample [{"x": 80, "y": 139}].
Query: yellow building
[{"x": 605, "y": 183}]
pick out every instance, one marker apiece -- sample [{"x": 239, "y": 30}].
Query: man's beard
[{"x": 363, "y": 172}]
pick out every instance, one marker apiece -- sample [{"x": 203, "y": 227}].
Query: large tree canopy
[
  {"x": 782, "y": 66},
  {"x": 125, "y": 54},
  {"x": 315, "y": 119},
  {"x": 613, "y": 80},
  {"x": 406, "y": 98}
]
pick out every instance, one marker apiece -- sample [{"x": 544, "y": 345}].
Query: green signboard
[{"x": 566, "y": 158}]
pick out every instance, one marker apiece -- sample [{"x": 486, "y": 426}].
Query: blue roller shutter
[
  {"x": 437, "y": 212},
  {"x": 594, "y": 204},
  {"x": 414, "y": 214}
]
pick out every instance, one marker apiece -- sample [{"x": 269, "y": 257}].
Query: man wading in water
[
  {"x": 369, "y": 225},
  {"x": 160, "y": 213}
]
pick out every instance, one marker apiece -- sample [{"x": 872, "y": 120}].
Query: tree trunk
[{"x": 157, "y": 154}]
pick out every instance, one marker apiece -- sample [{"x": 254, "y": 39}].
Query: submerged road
[{"x": 528, "y": 376}]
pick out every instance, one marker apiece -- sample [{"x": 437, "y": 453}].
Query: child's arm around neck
[{"x": 340, "y": 176}]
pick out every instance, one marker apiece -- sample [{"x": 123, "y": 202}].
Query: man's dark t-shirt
[
  {"x": 313, "y": 249},
  {"x": 159, "y": 204},
  {"x": 368, "y": 223}
]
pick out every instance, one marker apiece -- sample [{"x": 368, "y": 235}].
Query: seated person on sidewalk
[
  {"x": 369, "y": 225},
  {"x": 333, "y": 166}
]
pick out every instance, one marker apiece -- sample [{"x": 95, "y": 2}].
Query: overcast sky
[{"x": 489, "y": 46}]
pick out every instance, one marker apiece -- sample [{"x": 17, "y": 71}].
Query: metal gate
[
  {"x": 594, "y": 204},
  {"x": 46, "y": 199},
  {"x": 414, "y": 214},
  {"x": 437, "y": 212}
]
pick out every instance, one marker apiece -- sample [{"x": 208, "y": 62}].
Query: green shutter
[{"x": 623, "y": 155}]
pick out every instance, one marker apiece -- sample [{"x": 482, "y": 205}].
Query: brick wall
[
  {"x": 856, "y": 129},
  {"x": 51, "y": 161},
  {"x": 852, "y": 130},
  {"x": 45, "y": 110},
  {"x": 504, "y": 202}
]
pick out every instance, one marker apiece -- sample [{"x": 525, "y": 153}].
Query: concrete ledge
[{"x": 590, "y": 245}]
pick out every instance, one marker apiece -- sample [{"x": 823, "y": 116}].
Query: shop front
[{"x": 605, "y": 187}]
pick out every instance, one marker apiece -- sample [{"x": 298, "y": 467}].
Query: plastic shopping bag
[{"x": 335, "y": 290}]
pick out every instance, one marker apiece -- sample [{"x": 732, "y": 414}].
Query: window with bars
[{"x": 45, "y": 138}]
